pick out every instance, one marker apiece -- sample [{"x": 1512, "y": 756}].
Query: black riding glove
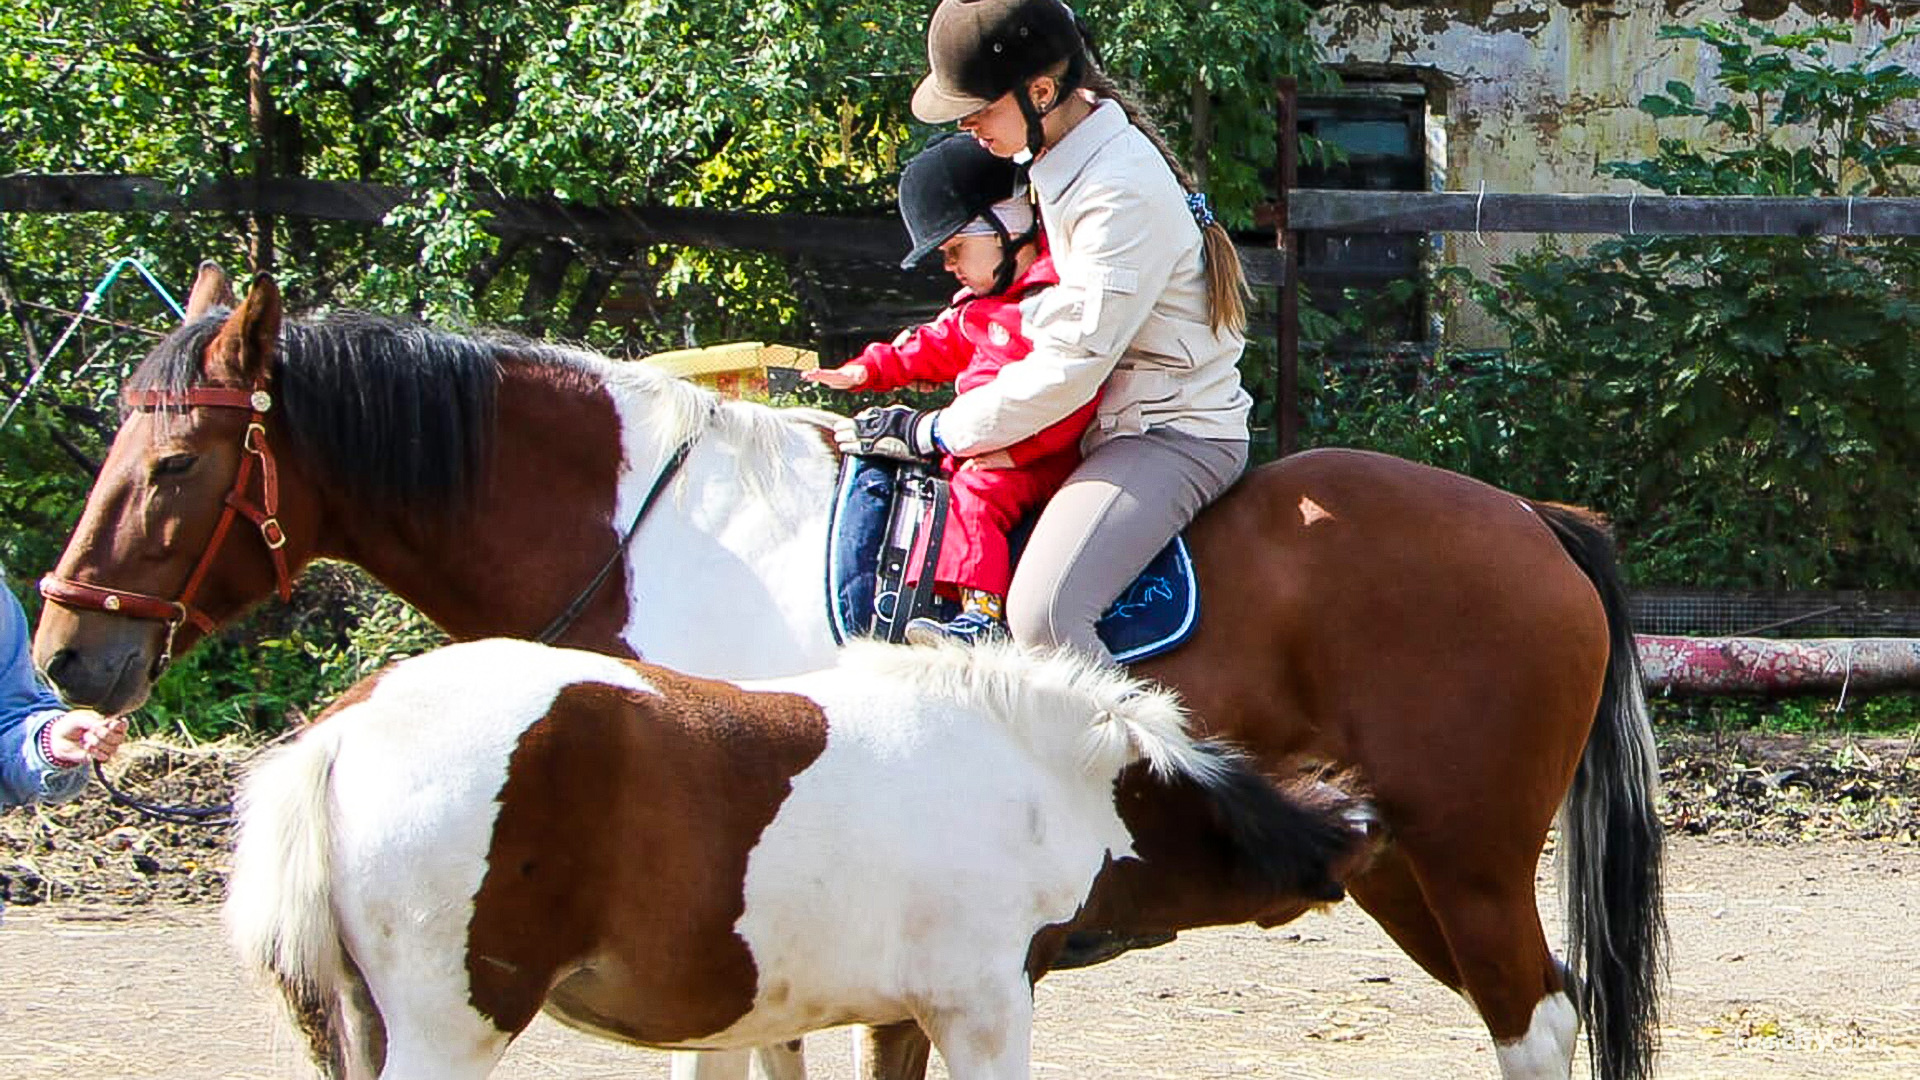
[{"x": 900, "y": 432}]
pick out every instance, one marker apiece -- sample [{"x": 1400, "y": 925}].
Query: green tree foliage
[
  {"x": 665, "y": 102},
  {"x": 1208, "y": 72},
  {"x": 1747, "y": 409},
  {"x": 722, "y": 103}
]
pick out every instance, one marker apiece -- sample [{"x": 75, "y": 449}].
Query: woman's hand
[{"x": 844, "y": 377}]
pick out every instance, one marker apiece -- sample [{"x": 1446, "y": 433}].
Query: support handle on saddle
[
  {"x": 915, "y": 529},
  {"x": 884, "y": 540}
]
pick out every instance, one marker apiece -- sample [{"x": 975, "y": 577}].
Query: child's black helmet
[
  {"x": 977, "y": 50},
  {"x": 947, "y": 185}
]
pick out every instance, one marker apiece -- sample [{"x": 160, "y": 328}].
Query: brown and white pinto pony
[
  {"x": 498, "y": 827},
  {"x": 1464, "y": 651}
]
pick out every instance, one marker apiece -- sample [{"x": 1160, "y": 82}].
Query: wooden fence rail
[
  {"x": 880, "y": 237},
  {"x": 869, "y": 236},
  {"x": 1317, "y": 210}
]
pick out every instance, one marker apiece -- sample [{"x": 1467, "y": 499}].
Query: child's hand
[{"x": 844, "y": 377}]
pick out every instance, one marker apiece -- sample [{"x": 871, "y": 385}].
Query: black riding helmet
[
  {"x": 978, "y": 50},
  {"x": 949, "y": 184}
]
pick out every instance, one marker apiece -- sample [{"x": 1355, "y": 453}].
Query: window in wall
[{"x": 1381, "y": 128}]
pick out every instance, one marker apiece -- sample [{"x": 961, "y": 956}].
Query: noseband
[{"x": 85, "y": 595}]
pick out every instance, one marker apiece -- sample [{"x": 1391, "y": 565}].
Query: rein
[
  {"x": 563, "y": 621},
  {"x": 73, "y": 593}
]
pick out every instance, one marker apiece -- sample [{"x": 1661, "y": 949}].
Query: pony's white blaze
[
  {"x": 746, "y": 519},
  {"x": 1545, "y": 1052}
]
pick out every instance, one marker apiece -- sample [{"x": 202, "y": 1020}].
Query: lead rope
[
  {"x": 211, "y": 816},
  {"x": 217, "y": 816}
]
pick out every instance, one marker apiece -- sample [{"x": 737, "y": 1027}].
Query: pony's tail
[
  {"x": 1301, "y": 839},
  {"x": 1612, "y": 841},
  {"x": 279, "y": 909}
]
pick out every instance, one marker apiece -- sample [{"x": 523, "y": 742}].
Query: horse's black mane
[{"x": 397, "y": 414}]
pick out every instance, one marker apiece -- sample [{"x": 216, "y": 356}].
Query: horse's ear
[
  {"x": 211, "y": 289},
  {"x": 239, "y": 353}
]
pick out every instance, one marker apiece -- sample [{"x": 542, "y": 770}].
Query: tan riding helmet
[{"x": 978, "y": 50}]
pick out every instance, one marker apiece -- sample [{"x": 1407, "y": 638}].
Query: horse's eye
[{"x": 174, "y": 464}]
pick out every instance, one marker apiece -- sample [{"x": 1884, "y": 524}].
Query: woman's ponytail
[{"x": 1227, "y": 291}]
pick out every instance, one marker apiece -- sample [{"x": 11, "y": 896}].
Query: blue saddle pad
[{"x": 1156, "y": 613}]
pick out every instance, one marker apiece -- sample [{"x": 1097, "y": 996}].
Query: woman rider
[{"x": 1151, "y": 306}]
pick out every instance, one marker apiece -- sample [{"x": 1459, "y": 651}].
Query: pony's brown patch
[{"x": 619, "y": 858}]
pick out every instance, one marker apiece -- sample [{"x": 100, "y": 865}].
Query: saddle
[{"x": 883, "y": 541}]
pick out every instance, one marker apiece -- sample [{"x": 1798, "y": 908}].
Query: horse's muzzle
[{"x": 112, "y": 682}]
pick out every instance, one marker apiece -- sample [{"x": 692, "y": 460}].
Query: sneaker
[{"x": 968, "y": 628}]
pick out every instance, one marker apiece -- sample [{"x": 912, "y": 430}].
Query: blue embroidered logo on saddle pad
[{"x": 1155, "y": 613}]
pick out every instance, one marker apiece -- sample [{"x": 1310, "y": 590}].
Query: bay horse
[
  {"x": 497, "y": 828},
  {"x": 1464, "y": 651}
]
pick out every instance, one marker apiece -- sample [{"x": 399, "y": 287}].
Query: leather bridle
[{"x": 95, "y": 597}]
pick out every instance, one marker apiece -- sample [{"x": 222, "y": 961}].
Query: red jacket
[{"x": 968, "y": 343}]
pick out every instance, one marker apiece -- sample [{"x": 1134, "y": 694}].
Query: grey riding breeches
[{"x": 1118, "y": 509}]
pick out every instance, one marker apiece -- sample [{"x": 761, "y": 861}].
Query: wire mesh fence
[{"x": 1798, "y": 614}]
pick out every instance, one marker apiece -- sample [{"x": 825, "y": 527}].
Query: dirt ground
[{"x": 1793, "y": 894}]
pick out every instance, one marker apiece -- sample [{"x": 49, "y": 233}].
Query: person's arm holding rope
[{"x": 44, "y": 747}]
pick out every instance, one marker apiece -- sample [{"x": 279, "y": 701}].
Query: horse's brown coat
[
  {"x": 551, "y": 451},
  {"x": 1454, "y": 700},
  {"x": 641, "y": 948}
]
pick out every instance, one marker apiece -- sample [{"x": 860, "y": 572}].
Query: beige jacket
[{"x": 1130, "y": 312}]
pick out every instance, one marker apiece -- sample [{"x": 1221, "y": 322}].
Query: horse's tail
[
  {"x": 1299, "y": 840},
  {"x": 1612, "y": 841},
  {"x": 279, "y": 910}
]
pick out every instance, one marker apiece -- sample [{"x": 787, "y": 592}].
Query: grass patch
[{"x": 1881, "y": 714}]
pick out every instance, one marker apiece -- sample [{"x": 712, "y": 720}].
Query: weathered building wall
[{"x": 1532, "y": 95}]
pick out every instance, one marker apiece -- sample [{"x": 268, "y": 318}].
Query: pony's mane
[
  {"x": 400, "y": 414},
  {"x": 676, "y": 411},
  {"x": 1037, "y": 692}
]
